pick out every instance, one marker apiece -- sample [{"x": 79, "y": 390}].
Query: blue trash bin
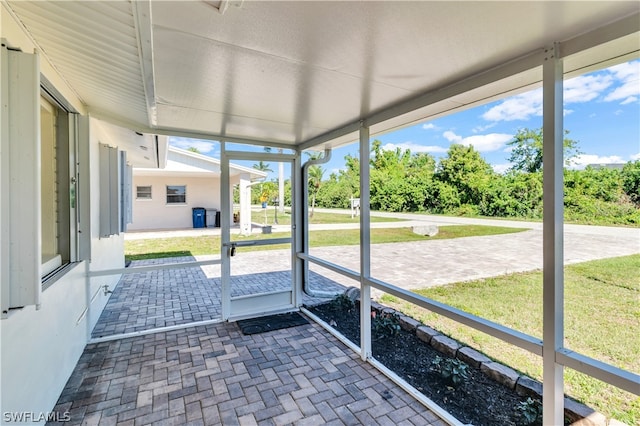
[{"x": 198, "y": 217}]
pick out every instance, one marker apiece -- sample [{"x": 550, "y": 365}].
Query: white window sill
[{"x": 51, "y": 264}]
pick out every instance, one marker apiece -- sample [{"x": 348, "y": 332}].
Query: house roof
[
  {"x": 180, "y": 162},
  {"x": 305, "y": 73}
]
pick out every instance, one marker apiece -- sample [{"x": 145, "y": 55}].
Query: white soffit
[
  {"x": 93, "y": 45},
  {"x": 290, "y": 71},
  {"x": 142, "y": 149}
]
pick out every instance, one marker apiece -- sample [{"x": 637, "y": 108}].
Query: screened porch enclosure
[{"x": 294, "y": 76}]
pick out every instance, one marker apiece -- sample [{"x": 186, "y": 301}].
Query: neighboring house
[
  {"x": 613, "y": 166},
  {"x": 163, "y": 198}
]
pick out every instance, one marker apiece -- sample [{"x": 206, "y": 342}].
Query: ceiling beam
[
  {"x": 612, "y": 31},
  {"x": 142, "y": 21},
  {"x": 523, "y": 63},
  {"x": 141, "y": 128}
]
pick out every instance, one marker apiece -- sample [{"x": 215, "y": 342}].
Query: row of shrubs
[{"x": 471, "y": 188}]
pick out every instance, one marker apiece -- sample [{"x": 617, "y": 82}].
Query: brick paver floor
[
  {"x": 168, "y": 297},
  {"x": 215, "y": 375}
]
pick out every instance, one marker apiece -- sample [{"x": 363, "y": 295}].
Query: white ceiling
[{"x": 290, "y": 71}]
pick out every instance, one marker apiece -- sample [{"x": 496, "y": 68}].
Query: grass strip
[
  {"x": 210, "y": 244},
  {"x": 267, "y": 216},
  {"x": 602, "y": 318}
]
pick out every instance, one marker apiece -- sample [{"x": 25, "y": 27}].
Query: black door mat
[{"x": 271, "y": 322}]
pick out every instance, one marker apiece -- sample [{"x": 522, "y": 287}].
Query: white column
[
  {"x": 226, "y": 219},
  {"x": 245, "y": 204},
  {"x": 298, "y": 209},
  {"x": 281, "y": 184},
  {"x": 553, "y": 267},
  {"x": 365, "y": 241}
]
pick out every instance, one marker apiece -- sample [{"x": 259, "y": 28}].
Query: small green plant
[
  {"x": 530, "y": 411},
  {"x": 342, "y": 302},
  {"x": 385, "y": 324},
  {"x": 450, "y": 369}
]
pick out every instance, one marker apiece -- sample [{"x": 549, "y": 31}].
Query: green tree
[
  {"x": 337, "y": 191},
  {"x": 194, "y": 149},
  {"x": 515, "y": 194},
  {"x": 315, "y": 182},
  {"x": 465, "y": 170},
  {"x": 262, "y": 166},
  {"x": 400, "y": 180},
  {"x": 631, "y": 180},
  {"x": 526, "y": 154}
]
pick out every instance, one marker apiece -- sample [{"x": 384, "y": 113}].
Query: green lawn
[
  {"x": 602, "y": 320},
  {"x": 258, "y": 216},
  {"x": 210, "y": 244}
]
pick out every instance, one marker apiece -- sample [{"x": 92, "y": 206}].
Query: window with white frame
[
  {"x": 143, "y": 192},
  {"x": 176, "y": 194},
  {"x": 57, "y": 195}
]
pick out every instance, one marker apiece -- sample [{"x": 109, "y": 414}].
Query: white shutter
[
  {"x": 109, "y": 191},
  {"x": 20, "y": 227},
  {"x": 126, "y": 179}
]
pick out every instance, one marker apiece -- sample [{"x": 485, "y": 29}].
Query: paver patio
[
  {"x": 169, "y": 297},
  {"x": 213, "y": 374}
]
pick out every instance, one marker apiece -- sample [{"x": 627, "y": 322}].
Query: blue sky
[{"x": 601, "y": 111}]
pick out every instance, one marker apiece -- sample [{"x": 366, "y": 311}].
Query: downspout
[{"x": 305, "y": 225}]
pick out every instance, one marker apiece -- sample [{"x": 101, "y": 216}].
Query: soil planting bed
[{"x": 476, "y": 400}]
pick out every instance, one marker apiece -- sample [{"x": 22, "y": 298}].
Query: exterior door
[{"x": 259, "y": 266}]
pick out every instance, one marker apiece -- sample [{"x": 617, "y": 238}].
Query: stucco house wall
[
  {"x": 200, "y": 175},
  {"x": 40, "y": 347},
  {"x": 157, "y": 214}
]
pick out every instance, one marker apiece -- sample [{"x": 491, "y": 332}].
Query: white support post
[
  {"x": 297, "y": 210},
  {"x": 245, "y": 204},
  {"x": 281, "y": 185},
  {"x": 365, "y": 249},
  {"x": 553, "y": 263},
  {"x": 225, "y": 234}
]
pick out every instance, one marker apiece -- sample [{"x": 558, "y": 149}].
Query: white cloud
[
  {"x": 428, "y": 126},
  {"x": 452, "y": 137},
  {"x": 629, "y": 90},
  {"x": 501, "y": 168},
  {"x": 583, "y": 160},
  {"x": 629, "y": 100},
  {"x": 635, "y": 156},
  {"x": 581, "y": 89},
  {"x": 479, "y": 129},
  {"x": 585, "y": 88},
  {"x": 413, "y": 147},
  {"x": 482, "y": 143},
  {"x": 519, "y": 107},
  {"x": 202, "y": 146},
  {"x": 627, "y": 93},
  {"x": 626, "y": 70}
]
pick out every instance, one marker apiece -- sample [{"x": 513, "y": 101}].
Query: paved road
[{"x": 422, "y": 264}]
